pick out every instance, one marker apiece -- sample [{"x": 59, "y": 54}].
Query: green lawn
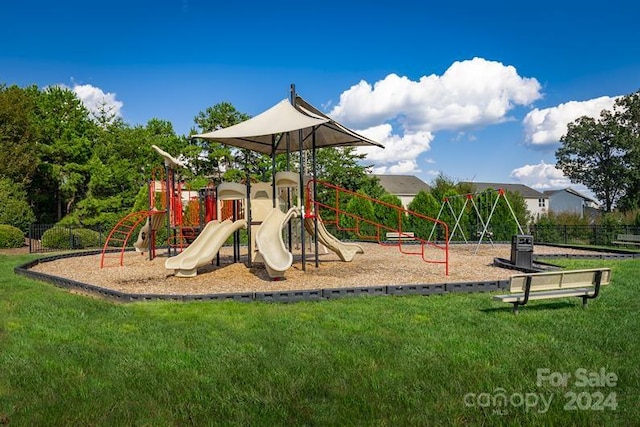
[{"x": 66, "y": 359}]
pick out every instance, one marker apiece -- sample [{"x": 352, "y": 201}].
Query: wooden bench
[
  {"x": 627, "y": 239},
  {"x": 403, "y": 236},
  {"x": 584, "y": 284}
]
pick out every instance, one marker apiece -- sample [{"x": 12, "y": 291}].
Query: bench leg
[
  {"x": 527, "y": 290},
  {"x": 596, "y": 291}
]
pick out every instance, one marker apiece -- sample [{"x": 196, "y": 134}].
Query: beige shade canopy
[{"x": 264, "y": 132}]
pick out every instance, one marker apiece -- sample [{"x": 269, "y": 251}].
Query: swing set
[{"x": 470, "y": 200}]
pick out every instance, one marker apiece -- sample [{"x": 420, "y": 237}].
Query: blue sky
[{"x": 476, "y": 90}]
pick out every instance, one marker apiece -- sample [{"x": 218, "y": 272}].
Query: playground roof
[{"x": 267, "y": 132}]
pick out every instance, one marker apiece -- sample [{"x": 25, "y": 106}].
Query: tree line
[{"x": 61, "y": 163}]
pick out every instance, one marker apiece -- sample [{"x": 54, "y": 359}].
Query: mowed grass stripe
[{"x": 67, "y": 359}]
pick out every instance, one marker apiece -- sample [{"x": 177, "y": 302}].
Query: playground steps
[
  {"x": 116, "y": 243},
  {"x": 184, "y": 236}
]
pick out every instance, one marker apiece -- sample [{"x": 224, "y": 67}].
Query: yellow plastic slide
[
  {"x": 144, "y": 236},
  {"x": 204, "y": 248},
  {"x": 271, "y": 249},
  {"x": 346, "y": 251}
]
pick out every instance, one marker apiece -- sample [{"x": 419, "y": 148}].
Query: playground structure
[
  {"x": 184, "y": 214},
  {"x": 266, "y": 211},
  {"x": 266, "y": 216},
  {"x": 470, "y": 203},
  {"x": 266, "y": 220}
]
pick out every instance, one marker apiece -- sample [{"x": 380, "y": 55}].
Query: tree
[
  {"x": 360, "y": 217},
  {"x": 18, "y": 134},
  {"x": 502, "y": 225},
  {"x": 387, "y": 215},
  {"x": 121, "y": 164},
  {"x": 14, "y": 209},
  {"x": 214, "y": 158},
  {"x": 629, "y": 119},
  {"x": 342, "y": 167},
  {"x": 442, "y": 185},
  {"x": 425, "y": 204},
  {"x": 67, "y": 134},
  {"x": 603, "y": 154}
]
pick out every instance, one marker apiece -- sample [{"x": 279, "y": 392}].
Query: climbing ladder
[{"x": 116, "y": 243}]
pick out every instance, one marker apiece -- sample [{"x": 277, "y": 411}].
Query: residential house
[
  {"x": 569, "y": 200},
  {"x": 405, "y": 187}
]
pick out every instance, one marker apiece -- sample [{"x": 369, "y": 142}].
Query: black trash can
[{"x": 522, "y": 250}]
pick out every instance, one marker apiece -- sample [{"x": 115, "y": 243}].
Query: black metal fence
[
  {"x": 54, "y": 238},
  {"x": 595, "y": 235}
]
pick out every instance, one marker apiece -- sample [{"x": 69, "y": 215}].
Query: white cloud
[
  {"x": 403, "y": 167},
  {"x": 470, "y": 93},
  {"x": 404, "y": 114},
  {"x": 546, "y": 126},
  {"x": 542, "y": 176},
  {"x": 397, "y": 148},
  {"x": 96, "y": 99}
]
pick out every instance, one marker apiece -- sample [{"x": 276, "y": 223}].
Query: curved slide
[
  {"x": 144, "y": 236},
  {"x": 271, "y": 249},
  {"x": 346, "y": 251},
  {"x": 204, "y": 248}
]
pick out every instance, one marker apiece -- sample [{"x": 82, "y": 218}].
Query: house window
[{"x": 541, "y": 203}]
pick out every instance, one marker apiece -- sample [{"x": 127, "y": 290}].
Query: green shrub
[
  {"x": 87, "y": 238},
  {"x": 360, "y": 218},
  {"x": 57, "y": 238},
  {"x": 66, "y": 238},
  {"x": 10, "y": 237}
]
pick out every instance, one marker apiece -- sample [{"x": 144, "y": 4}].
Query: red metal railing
[
  {"x": 120, "y": 234},
  {"x": 360, "y": 225}
]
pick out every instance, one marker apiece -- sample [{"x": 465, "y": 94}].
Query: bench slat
[
  {"x": 627, "y": 239},
  {"x": 405, "y": 235},
  {"x": 559, "y": 280},
  {"x": 577, "y": 292}
]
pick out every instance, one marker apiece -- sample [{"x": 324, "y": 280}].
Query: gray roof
[
  {"x": 526, "y": 192},
  {"x": 403, "y": 185}
]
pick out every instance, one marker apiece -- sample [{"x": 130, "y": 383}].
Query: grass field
[{"x": 456, "y": 359}]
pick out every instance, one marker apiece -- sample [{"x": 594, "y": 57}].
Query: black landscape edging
[
  {"x": 430, "y": 289},
  {"x": 483, "y": 286},
  {"x": 588, "y": 256},
  {"x": 281, "y": 296}
]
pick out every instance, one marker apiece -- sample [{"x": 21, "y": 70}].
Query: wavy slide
[
  {"x": 144, "y": 236},
  {"x": 204, "y": 248},
  {"x": 271, "y": 249},
  {"x": 346, "y": 251}
]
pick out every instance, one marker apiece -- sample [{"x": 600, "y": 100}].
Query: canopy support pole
[
  {"x": 300, "y": 185},
  {"x": 315, "y": 197}
]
